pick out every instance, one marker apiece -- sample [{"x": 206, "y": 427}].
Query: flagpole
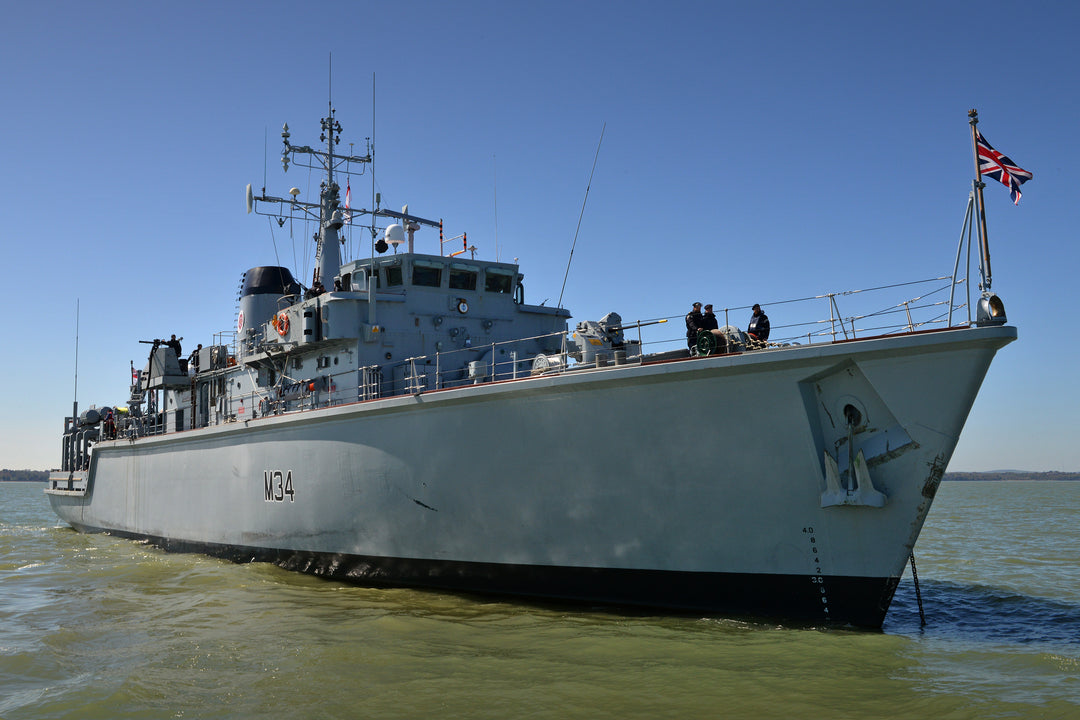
[{"x": 984, "y": 243}]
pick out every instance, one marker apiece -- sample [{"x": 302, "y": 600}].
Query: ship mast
[
  {"x": 328, "y": 210},
  {"x": 328, "y": 253},
  {"x": 330, "y": 216}
]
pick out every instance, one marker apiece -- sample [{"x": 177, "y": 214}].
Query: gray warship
[{"x": 409, "y": 419}]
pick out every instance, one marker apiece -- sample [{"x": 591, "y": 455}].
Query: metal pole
[
  {"x": 959, "y": 251},
  {"x": 832, "y": 321},
  {"x": 984, "y": 245},
  {"x": 967, "y": 271},
  {"x": 75, "y": 399}
]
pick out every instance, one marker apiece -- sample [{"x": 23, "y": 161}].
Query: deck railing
[
  {"x": 807, "y": 320},
  {"x": 824, "y": 318}
]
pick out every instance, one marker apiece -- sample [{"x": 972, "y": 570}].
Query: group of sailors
[
  {"x": 698, "y": 321},
  {"x": 191, "y": 362}
]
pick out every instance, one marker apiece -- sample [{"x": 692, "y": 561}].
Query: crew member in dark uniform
[
  {"x": 759, "y": 325},
  {"x": 694, "y": 322},
  {"x": 175, "y": 345},
  {"x": 708, "y": 319},
  {"x": 193, "y": 361},
  {"x": 110, "y": 425}
]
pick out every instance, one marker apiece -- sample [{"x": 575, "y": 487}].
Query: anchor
[{"x": 863, "y": 492}]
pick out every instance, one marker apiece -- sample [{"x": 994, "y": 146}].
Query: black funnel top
[{"x": 269, "y": 281}]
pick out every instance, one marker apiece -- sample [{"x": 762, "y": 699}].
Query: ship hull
[{"x": 698, "y": 486}]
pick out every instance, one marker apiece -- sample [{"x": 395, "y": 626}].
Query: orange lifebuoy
[{"x": 281, "y": 323}]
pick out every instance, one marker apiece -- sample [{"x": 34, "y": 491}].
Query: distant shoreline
[
  {"x": 1013, "y": 476},
  {"x": 24, "y": 475}
]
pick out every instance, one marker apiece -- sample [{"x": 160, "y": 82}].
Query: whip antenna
[
  {"x": 75, "y": 402},
  {"x": 374, "y": 195},
  {"x": 581, "y": 215},
  {"x": 495, "y": 189},
  {"x": 265, "y": 148}
]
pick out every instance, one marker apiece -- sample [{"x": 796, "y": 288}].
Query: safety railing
[
  {"x": 828, "y": 317},
  {"x": 808, "y": 320},
  {"x": 824, "y": 318}
]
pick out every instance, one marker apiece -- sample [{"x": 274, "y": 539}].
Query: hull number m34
[{"x": 277, "y": 485}]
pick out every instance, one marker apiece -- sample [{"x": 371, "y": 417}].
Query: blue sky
[{"x": 752, "y": 152}]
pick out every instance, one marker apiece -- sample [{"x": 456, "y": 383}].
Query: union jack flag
[{"x": 1001, "y": 168}]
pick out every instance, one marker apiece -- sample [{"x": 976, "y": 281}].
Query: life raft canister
[{"x": 281, "y": 323}]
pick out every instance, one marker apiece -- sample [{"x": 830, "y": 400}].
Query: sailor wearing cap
[
  {"x": 759, "y": 324},
  {"x": 694, "y": 322},
  {"x": 708, "y": 320}
]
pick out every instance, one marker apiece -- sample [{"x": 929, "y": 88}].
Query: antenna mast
[
  {"x": 587, "y": 187},
  {"x": 371, "y": 154},
  {"x": 495, "y": 189},
  {"x": 75, "y": 402}
]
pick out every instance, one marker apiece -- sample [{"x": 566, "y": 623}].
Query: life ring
[{"x": 281, "y": 323}]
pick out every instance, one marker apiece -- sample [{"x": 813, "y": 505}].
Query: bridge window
[
  {"x": 462, "y": 277},
  {"x": 427, "y": 274},
  {"x": 497, "y": 281},
  {"x": 360, "y": 283}
]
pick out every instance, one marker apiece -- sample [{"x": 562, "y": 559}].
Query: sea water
[{"x": 93, "y": 626}]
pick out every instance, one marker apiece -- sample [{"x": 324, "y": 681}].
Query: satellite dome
[{"x": 395, "y": 234}]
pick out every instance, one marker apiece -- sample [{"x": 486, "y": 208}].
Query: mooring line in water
[{"x": 918, "y": 593}]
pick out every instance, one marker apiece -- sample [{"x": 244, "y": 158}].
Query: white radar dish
[{"x": 395, "y": 234}]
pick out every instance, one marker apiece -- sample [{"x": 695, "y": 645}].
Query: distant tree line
[
  {"x": 1012, "y": 475},
  {"x": 24, "y": 475}
]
